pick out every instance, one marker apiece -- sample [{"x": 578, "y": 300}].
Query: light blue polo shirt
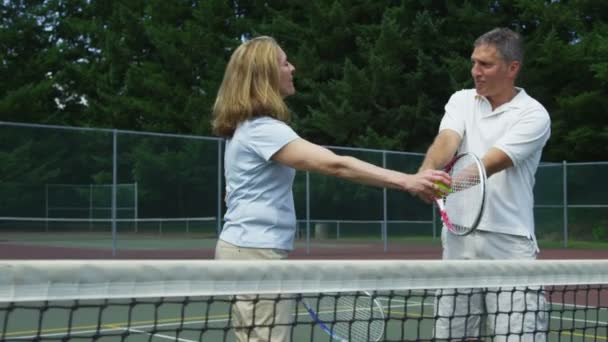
[{"x": 259, "y": 198}]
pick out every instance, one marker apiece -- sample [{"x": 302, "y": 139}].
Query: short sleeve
[
  {"x": 453, "y": 118},
  {"x": 527, "y": 135},
  {"x": 268, "y": 135}
]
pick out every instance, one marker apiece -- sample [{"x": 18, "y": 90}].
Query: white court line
[
  {"x": 166, "y": 337},
  {"x": 118, "y": 328}
]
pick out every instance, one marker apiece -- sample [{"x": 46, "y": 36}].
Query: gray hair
[{"x": 508, "y": 43}]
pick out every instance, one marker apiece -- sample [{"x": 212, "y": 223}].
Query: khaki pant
[{"x": 257, "y": 318}]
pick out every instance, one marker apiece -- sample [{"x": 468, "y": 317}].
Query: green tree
[
  {"x": 160, "y": 64},
  {"x": 28, "y": 56},
  {"x": 369, "y": 73},
  {"x": 566, "y": 71}
]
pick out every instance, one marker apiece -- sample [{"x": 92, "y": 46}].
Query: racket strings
[
  {"x": 351, "y": 316},
  {"x": 460, "y": 184},
  {"x": 466, "y": 194},
  {"x": 465, "y": 175}
]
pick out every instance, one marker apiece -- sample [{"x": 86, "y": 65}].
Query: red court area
[{"x": 404, "y": 251}]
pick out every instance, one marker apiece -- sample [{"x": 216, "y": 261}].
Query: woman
[{"x": 262, "y": 155}]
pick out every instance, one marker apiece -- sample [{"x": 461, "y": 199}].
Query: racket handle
[{"x": 444, "y": 214}]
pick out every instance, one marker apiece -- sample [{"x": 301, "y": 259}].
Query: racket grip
[{"x": 444, "y": 215}]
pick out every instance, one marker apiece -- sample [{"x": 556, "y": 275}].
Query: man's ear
[{"x": 514, "y": 69}]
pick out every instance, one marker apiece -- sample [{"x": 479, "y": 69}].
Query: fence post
[
  {"x": 565, "y": 202},
  {"x": 46, "y": 206},
  {"x": 218, "y": 222},
  {"x": 135, "y": 204},
  {"x": 307, "y": 213},
  {"x": 114, "y": 182},
  {"x": 385, "y": 215},
  {"x": 90, "y": 206}
]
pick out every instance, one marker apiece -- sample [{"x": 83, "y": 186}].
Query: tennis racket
[
  {"x": 347, "y": 316},
  {"x": 462, "y": 205}
]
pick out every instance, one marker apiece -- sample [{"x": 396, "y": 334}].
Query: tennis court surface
[{"x": 386, "y": 300}]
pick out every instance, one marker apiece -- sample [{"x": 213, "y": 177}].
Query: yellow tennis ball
[{"x": 443, "y": 187}]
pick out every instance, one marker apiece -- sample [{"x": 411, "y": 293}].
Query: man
[{"x": 508, "y": 129}]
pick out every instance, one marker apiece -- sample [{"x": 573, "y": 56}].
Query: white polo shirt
[
  {"x": 520, "y": 128},
  {"x": 259, "y": 197}
]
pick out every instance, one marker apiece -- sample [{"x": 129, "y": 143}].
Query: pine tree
[{"x": 29, "y": 57}]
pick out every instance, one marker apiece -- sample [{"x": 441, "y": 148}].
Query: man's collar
[{"x": 516, "y": 102}]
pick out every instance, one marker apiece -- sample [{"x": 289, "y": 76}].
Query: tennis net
[{"x": 385, "y": 300}]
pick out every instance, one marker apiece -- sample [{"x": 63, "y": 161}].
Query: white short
[{"x": 508, "y": 314}]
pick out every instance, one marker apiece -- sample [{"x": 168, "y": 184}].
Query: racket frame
[
  {"x": 329, "y": 330},
  {"x": 445, "y": 218}
]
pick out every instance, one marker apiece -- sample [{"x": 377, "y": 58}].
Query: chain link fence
[{"x": 116, "y": 174}]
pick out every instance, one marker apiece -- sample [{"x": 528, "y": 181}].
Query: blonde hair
[{"x": 250, "y": 87}]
